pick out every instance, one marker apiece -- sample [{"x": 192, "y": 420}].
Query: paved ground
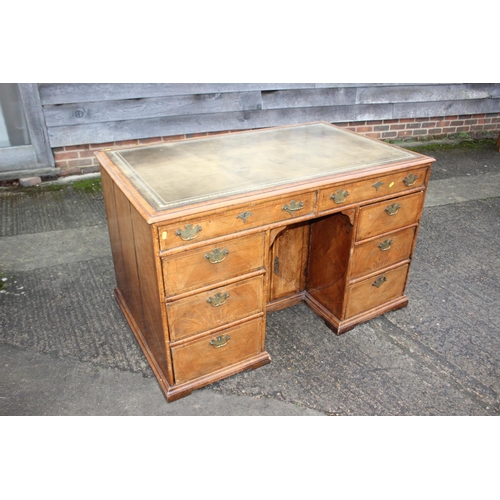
[{"x": 65, "y": 348}]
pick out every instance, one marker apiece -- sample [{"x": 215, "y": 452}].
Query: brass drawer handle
[
  {"x": 217, "y": 255},
  {"x": 385, "y": 245},
  {"x": 379, "y": 281},
  {"x": 244, "y": 216},
  {"x": 293, "y": 206},
  {"x": 218, "y": 299},
  {"x": 220, "y": 341},
  {"x": 189, "y": 233},
  {"x": 393, "y": 208},
  {"x": 339, "y": 196},
  {"x": 410, "y": 180}
]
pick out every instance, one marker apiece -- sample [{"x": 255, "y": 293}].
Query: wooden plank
[
  {"x": 97, "y": 133},
  {"x": 413, "y": 93},
  {"x": 155, "y": 107},
  {"x": 360, "y": 85},
  {"x": 36, "y": 124},
  {"x": 308, "y": 98},
  {"x": 62, "y": 93},
  {"x": 155, "y": 117}
]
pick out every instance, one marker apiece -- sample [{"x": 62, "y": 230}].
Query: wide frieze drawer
[
  {"x": 381, "y": 252},
  {"x": 244, "y": 217},
  {"x": 211, "y": 264},
  {"x": 366, "y": 189},
  {"x": 389, "y": 215},
  {"x": 215, "y": 308},
  {"x": 375, "y": 291},
  {"x": 213, "y": 352}
]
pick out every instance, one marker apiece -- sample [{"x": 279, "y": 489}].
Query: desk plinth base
[
  {"x": 174, "y": 392},
  {"x": 339, "y": 327}
]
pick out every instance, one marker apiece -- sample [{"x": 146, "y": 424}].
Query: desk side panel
[
  {"x": 108, "y": 188},
  {"x": 289, "y": 254},
  {"x": 331, "y": 242},
  {"x": 128, "y": 282},
  {"x": 151, "y": 289},
  {"x": 135, "y": 269}
]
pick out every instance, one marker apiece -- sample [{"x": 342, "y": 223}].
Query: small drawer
[
  {"x": 211, "y": 264},
  {"x": 381, "y": 252},
  {"x": 366, "y": 189},
  {"x": 389, "y": 215},
  {"x": 375, "y": 291},
  {"x": 215, "y": 308},
  {"x": 214, "y": 352},
  {"x": 245, "y": 217}
]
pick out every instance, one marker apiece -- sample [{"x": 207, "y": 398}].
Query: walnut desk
[{"x": 209, "y": 234}]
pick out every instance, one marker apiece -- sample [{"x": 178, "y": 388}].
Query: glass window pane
[{"x": 13, "y": 127}]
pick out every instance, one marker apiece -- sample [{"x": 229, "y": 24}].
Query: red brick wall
[
  {"x": 80, "y": 159},
  {"x": 439, "y": 127}
]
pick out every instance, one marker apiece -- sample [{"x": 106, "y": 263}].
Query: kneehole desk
[{"x": 209, "y": 234}]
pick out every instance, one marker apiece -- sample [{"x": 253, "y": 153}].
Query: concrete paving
[{"x": 65, "y": 348}]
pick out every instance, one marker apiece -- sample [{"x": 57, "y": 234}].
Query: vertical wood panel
[
  {"x": 331, "y": 241},
  {"x": 129, "y": 282},
  {"x": 153, "y": 326},
  {"x": 36, "y": 125},
  {"x": 288, "y": 262},
  {"x": 114, "y": 233}
]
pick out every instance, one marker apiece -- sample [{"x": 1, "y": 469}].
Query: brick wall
[
  {"x": 80, "y": 159},
  {"x": 439, "y": 127}
]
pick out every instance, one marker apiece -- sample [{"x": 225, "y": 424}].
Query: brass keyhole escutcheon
[
  {"x": 379, "y": 281},
  {"x": 244, "y": 216},
  {"x": 385, "y": 245},
  {"x": 410, "y": 180},
  {"x": 377, "y": 185},
  {"x": 189, "y": 232},
  {"x": 218, "y": 299},
  {"x": 217, "y": 255},
  {"x": 220, "y": 341},
  {"x": 393, "y": 209},
  {"x": 340, "y": 196},
  {"x": 293, "y": 206}
]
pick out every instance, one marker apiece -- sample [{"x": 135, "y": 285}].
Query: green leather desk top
[{"x": 179, "y": 173}]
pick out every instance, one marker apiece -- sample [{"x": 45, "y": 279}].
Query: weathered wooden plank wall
[{"x": 99, "y": 113}]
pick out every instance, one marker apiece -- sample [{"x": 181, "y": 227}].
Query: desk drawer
[
  {"x": 245, "y": 217},
  {"x": 375, "y": 291},
  {"x": 212, "y": 264},
  {"x": 366, "y": 189},
  {"x": 382, "y": 252},
  {"x": 214, "y": 352},
  {"x": 215, "y": 308},
  {"x": 389, "y": 215}
]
